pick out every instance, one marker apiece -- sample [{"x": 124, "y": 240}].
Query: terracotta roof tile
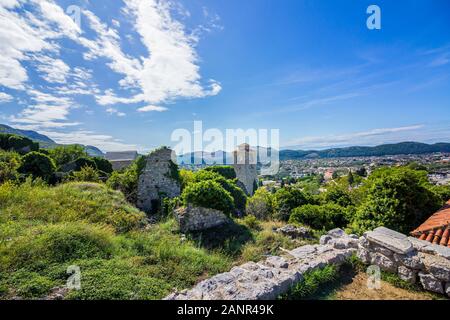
[{"x": 436, "y": 229}]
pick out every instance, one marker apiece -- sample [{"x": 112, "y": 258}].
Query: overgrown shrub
[
  {"x": 208, "y": 194},
  {"x": 37, "y": 165},
  {"x": 261, "y": 204},
  {"x": 9, "y": 165},
  {"x": 87, "y": 174},
  {"x": 327, "y": 216}
]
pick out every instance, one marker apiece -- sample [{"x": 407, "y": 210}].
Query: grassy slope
[{"x": 44, "y": 230}]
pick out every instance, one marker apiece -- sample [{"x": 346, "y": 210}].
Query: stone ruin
[
  {"x": 158, "y": 180},
  {"x": 275, "y": 275},
  {"x": 197, "y": 218},
  {"x": 412, "y": 259},
  {"x": 394, "y": 252},
  {"x": 244, "y": 163}
]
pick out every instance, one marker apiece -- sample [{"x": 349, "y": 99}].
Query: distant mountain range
[
  {"x": 381, "y": 150},
  {"x": 44, "y": 141}
]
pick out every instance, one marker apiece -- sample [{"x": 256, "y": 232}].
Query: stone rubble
[
  {"x": 294, "y": 232},
  {"x": 273, "y": 276}
]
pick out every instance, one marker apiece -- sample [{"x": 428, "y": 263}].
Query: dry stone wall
[
  {"x": 157, "y": 180},
  {"x": 275, "y": 275},
  {"x": 197, "y": 218},
  {"x": 412, "y": 259}
]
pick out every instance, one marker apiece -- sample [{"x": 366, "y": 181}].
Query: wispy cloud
[
  {"x": 4, "y": 97},
  {"x": 369, "y": 137},
  {"x": 152, "y": 108}
]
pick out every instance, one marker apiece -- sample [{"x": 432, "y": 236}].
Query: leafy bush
[
  {"x": 225, "y": 171},
  {"x": 66, "y": 154},
  {"x": 208, "y": 194},
  {"x": 103, "y": 164},
  {"x": 37, "y": 165},
  {"x": 286, "y": 199},
  {"x": 9, "y": 165},
  {"x": 338, "y": 195},
  {"x": 252, "y": 222},
  {"x": 12, "y": 142},
  {"x": 239, "y": 197},
  {"x": 87, "y": 174},
  {"x": 397, "y": 198},
  {"x": 327, "y": 216},
  {"x": 260, "y": 204}
]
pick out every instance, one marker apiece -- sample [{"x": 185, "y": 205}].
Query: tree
[
  {"x": 103, "y": 164},
  {"x": 362, "y": 172},
  {"x": 37, "y": 165},
  {"x": 350, "y": 178},
  {"x": 226, "y": 171},
  {"x": 66, "y": 154},
  {"x": 286, "y": 199},
  {"x": 9, "y": 164},
  {"x": 337, "y": 195},
  {"x": 397, "y": 198},
  {"x": 87, "y": 174},
  {"x": 12, "y": 142}
]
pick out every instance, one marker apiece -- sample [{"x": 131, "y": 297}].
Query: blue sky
[{"x": 133, "y": 71}]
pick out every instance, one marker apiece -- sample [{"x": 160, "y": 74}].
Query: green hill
[{"x": 44, "y": 141}]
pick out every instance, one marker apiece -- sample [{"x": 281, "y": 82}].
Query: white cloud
[
  {"x": 46, "y": 111},
  {"x": 116, "y": 112},
  {"x": 151, "y": 108},
  {"x": 4, "y": 97},
  {"x": 53, "y": 70},
  {"x": 170, "y": 71}
]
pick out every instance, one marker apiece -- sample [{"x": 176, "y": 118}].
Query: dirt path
[{"x": 358, "y": 290}]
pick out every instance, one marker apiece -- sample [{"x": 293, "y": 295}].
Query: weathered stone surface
[
  {"x": 157, "y": 180},
  {"x": 410, "y": 260},
  {"x": 430, "y": 283},
  {"x": 364, "y": 255},
  {"x": 294, "y": 232},
  {"x": 447, "y": 288},
  {"x": 277, "y": 262},
  {"x": 437, "y": 250},
  {"x": 383, "y": 262},
  {"x": 438, "y": 266},
  {"x": 244, "y": 164},
  {"x": 391, "y": 240},
  {"x": 325, "y": 239},
  {"x": 336, "y": 233},
  {"x": 382, "y": 250},
  {"x": 407, "y": 274},
  {"x": 197, "y": 218}
]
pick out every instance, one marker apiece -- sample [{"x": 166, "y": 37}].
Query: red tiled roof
[{"x": 436, "y": 229}]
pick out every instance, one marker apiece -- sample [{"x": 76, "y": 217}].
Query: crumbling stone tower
[
  {"x": 158, "y": 180},
  {"x": 244, "y": 164}
]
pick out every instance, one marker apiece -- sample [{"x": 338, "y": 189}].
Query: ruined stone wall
[
  {"x": 275, "y": 275},
  {"x": 157, "y": 180},
  {"x": 412, "y": 259},
  {"x": 197, "y": 218}
]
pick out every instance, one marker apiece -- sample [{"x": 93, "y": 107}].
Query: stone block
[
  {"x": 391, "y": 240},
  {"x": 407, "y": 274},
  {"x": 437, "y": 266},
  {"x": 430, "y": 283}
]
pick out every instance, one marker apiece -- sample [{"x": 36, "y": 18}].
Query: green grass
[{"x": 44, "y": 230}]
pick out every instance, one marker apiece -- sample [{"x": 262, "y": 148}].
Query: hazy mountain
[
  {"x": 381, "y": 150},
  {"x": 44, "y": 141}
]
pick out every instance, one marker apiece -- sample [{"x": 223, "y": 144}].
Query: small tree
[
  {"x": 260, "y": 204},
  {"x": 9, "y": 164},
  {"x": 37, "y": 165},
  {"x": 103, "y": 164},
  {"x": 286, "y": 199},
  {"x": 327, "y": 216},
  {"x": 66, "y": 154}
]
